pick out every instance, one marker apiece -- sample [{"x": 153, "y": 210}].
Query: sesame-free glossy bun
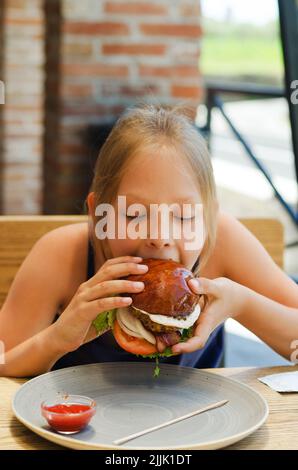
[{"x": 166, "y": 290}]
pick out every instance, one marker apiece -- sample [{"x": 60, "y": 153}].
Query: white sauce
[{"x": 171, "y": 321}]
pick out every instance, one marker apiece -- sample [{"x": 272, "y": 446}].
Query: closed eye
[
  {"x": 185, "y": 218},
  {"x": 130, "y": 217}
]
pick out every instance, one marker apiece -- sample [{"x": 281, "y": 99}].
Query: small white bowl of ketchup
[{"x": 69, "y": 414}]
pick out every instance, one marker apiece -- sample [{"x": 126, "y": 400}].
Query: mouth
[{"x": 164, "y": 258}]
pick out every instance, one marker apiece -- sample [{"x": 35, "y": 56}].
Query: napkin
[{"x": 284, "y": 382}]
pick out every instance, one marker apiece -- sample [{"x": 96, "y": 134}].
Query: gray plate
[{"x": 129, "y": 399}]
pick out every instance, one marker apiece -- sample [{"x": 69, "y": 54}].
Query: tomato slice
[{"x": 132, "y": 344}]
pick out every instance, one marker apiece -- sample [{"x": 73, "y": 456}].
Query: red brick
[
  {"x": 23, "y": 21},
  {"x": 134, "y": 49},
  {"x": 19, "y": 107},
  {"x": 135, "y": 8},
  {"x": 20, "y": 135},
  {"x": 177, "y": 30},
  {"x": 19, "y": 4},
  {"x": 101, "y": 70},
  {"x": 192, "y": 10},
  {"x": 169, "y": 71},
  {"x": 129, "y": 90},
  {"x": 76, "y": 49},
  {"x": 77, "y": 91},
  {"x": 184, "y": 91},
  {"x": 104, "y": 28},
  {"x": 84, "y": 109}
]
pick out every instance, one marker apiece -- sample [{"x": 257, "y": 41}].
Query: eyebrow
[{"x": 137, "y": 197}]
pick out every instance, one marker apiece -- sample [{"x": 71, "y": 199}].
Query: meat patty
[{"x": 151, "y": 325}]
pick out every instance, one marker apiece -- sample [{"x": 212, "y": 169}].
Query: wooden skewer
[{"x": 168, "y": 423}]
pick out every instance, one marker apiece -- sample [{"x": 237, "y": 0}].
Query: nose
[
  {"x": 158, "y": 244},
  {"x": 159, "y": 235}
]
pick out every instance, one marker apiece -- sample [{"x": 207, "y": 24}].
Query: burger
[{"x": 160, "y": 316}]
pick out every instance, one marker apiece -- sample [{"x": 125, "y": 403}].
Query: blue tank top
[{"x": 105, "y": 349}]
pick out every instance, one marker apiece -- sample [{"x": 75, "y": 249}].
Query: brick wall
[
  {"x": 112, "y": 53},
  {"x": 99, "y": 57},
  {"x": 22, "y": 113},
  {"x": 1, "y": 105}
]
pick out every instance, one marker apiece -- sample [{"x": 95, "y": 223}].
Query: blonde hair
[{"x": 149, "y": 125}]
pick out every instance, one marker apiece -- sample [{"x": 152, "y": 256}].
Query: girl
[{"x": 153, "y": 155}]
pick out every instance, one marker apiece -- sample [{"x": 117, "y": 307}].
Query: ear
[{"x": 90, "y": 203}]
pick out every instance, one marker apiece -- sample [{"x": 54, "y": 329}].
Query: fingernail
[
  {"x": 137, "y": 258},
  {"x": 195, "y": 281},
  {"x": 127, "y": 300},
  {"x": 142, "y": 267},
  {"x": 138, "y": 285}
]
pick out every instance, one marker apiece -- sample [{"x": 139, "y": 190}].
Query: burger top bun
[{"x": 166, "y": 290}]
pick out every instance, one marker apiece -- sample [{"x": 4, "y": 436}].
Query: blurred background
[{"x": 70, "y": 67}]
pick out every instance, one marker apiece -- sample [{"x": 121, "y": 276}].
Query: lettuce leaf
[
  {"x": 156, "y": 368},
  {"x": 186, "y": 334},
  {"x": 105, "y": 320},
  {"x": 166, "y": 353}
]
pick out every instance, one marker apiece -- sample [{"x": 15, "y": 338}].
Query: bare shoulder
[
  {"x": 48, "y": 277},
  {"x": 59, "y": 256},
  {"x": 245, "y": 260},
  {"x": 233, "y": 242},
  {"x": 65, "y": 238},
  {"x": 227, "y": 225},
  {"x": 225, "y": 229},
  {"x": 68, "y": 246}
]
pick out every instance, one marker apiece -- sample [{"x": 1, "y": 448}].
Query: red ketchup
[{"x": 68, "y": 418}]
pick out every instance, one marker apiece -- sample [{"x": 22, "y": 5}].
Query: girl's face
[{"x": 157, "y": 177}]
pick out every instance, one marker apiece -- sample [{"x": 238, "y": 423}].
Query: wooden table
[{"x": 279, "y": 432}]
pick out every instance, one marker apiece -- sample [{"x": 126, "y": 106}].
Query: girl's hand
[
  {"x": 223, "y": 299},
  {"x": 99, "y": 294}
]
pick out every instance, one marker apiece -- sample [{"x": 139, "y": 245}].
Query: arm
[
  {"x": 274, "y": 323},
  {"x": 273, "y": 314},
  {"x": 269, "y": 298},
  {"x": 32, "y": 342},
  {"x": 245, "y": 261},
  {"x": 37, "y": 290},
  {"x": 26, "y": 317},
  {"x": 267, "y": 318},
  {"x": 32, "y": 357}
]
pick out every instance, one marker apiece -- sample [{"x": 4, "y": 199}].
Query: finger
[
  {"x": 124, "y": 259},
  {"x": 202, "y": 332},
  {"x": 160, "y": 345},
  {"x": 92, "y": 334},
  {"x": 202, "y": 302},
  {"x": 194, "y": 285},
  {"x": 88, "y": 311},
  {"x": 205, "y": 286},
  {"x": 107, "y": 288},
  {"x": 115, "y": 271}
]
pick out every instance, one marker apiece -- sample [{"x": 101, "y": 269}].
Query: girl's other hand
[
  {"x": 98, "y": 294},
  {"x": 223, "y": 298}
]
